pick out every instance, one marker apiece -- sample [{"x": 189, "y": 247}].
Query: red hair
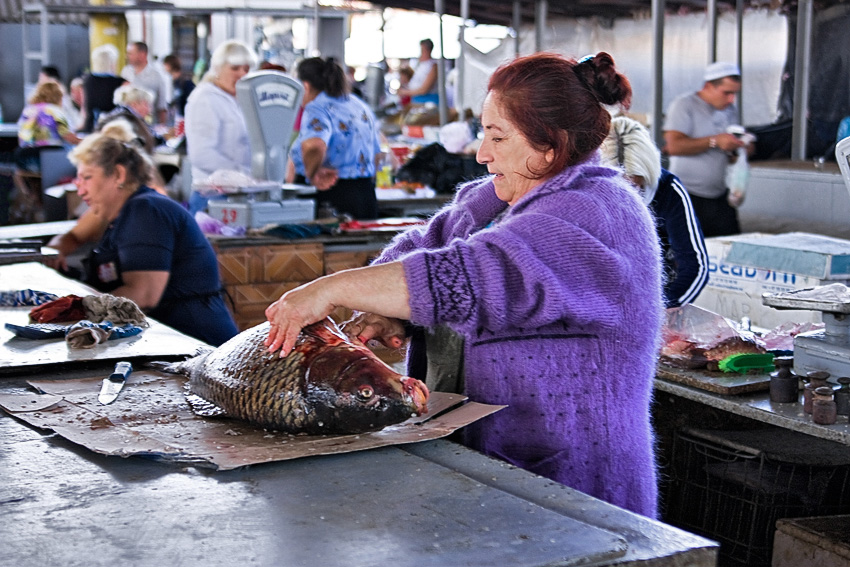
[{"x": 555, "y": 102}]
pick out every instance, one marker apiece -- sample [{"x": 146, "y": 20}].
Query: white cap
[{"x": 720, "y": 69}]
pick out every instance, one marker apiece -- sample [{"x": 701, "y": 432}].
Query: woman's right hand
[{"x": 389, "y": 331}]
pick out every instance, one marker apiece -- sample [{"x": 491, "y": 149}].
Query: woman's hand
[
  {"x": 389, "y": 331},
  {"x": 372, "y": 289},
  {"x": 295, "y": 310},
  {"x": 324, "y": 178}
]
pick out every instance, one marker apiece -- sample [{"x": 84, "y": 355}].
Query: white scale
[
  {"x": 264, "y": 204},
  {"x": 827, "y": 349},
  {"x": 269, "y": 100}
]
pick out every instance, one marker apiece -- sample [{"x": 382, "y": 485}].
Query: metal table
[
  {"x": 757, "y": 406},
  {"x": 433, "y": 503}
]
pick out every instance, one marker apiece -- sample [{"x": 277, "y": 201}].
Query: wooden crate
[
  {"x": 270, "y": 264},
  {"x": 337, "y": 261}
]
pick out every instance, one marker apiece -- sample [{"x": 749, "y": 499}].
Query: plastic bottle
[
  {"x": 784, "y": 384},
  {"x": 823, "y": 406},
  {"x": 384, "y": 174}
]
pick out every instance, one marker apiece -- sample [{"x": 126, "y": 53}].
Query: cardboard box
[{"x": 743, "y": 267}]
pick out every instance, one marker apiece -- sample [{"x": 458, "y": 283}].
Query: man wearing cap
[{"x": 696, "y": 138}]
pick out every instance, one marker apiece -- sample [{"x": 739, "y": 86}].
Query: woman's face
[
  {"x": 508, "y": 155},
  {"x": 95, "y": 187},
  {"x": 229, "y": 74},
  {"x": 141, "y": 107}
]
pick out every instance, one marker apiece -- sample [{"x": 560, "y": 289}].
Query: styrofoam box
[
  {"x": 743, "y": 267},
  {"x": 255, "y": 214}
]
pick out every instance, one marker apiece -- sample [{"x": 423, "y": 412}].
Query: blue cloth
[
  {"x": 25, "y": 297},
  {"x": 125, "y": 330},
  {"x": 349, "y": 130},
  {"x": 843, "y": 129},
  {"x": 154, "y": 233},
  {"x": 424, "y": 98}
]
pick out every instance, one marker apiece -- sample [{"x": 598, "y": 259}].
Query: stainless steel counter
[
  {"x": 758, "y": 406},
  {"x": 433, "y": 503}
]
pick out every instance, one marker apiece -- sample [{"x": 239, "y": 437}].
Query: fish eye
[{"x": 366, "y": 392}]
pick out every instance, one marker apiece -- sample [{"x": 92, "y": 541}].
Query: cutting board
[{"x": 716, "y": 382}]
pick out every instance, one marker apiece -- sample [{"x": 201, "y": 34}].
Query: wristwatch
[{"x": 712, "y": 142}]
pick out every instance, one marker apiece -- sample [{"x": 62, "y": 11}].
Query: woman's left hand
[
  {"x": 324, "y": 178},
  {"x": 295, "y": 310}
]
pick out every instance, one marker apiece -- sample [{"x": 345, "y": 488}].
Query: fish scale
[{"x": 327, "y": 384}]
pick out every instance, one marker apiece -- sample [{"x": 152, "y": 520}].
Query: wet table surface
[{"x": 431, "y": 503}]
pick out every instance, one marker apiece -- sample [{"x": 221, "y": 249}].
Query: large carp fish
[{"x": 327, "y": 384}]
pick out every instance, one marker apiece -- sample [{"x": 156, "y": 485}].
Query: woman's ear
[{"x": 120, "y": 174}]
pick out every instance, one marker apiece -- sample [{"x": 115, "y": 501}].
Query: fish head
[{"x": 347, "y": 384}]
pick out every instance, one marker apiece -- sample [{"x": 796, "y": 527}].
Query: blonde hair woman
[
  {"x": 153, "y": 251},
  {"x": 100, "y": 84},
  {"x": 630, "y": 147},
  {"x": 216, "y": 134},
  {"x": 133, "y": 104},
  {"x": 42, "y": 122}
]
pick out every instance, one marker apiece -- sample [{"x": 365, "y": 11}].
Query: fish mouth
[{"x": 417, "y": 393}]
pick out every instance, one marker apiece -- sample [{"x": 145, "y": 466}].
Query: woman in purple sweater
[{"x": 546, "y": 273}]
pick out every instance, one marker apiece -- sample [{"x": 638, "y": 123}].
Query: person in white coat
[{"x": 216, "y": 134}]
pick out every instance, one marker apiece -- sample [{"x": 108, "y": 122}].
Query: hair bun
[{"x": 599, "y": 75}]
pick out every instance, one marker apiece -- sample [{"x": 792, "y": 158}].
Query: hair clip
[{"x": 585, "y": 59}]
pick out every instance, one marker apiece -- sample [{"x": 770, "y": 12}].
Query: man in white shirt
[{"x": 139, "y": 72}]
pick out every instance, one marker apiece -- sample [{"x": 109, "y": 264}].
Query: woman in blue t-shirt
[
  {"x": 338, "y": 142},
  {"x": 153, "y": 251}
]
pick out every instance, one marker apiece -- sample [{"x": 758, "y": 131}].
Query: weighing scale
[
  {"x": 826, "y": 349},
  {"x": 269, "y": 100}
]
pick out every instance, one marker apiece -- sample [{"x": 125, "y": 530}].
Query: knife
[{"x": 113, "y": 383}]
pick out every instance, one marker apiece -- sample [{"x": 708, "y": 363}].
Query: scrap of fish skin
[{"x": 327, "y": 384}]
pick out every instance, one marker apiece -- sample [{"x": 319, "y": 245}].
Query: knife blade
[{"x": 113, "y": 383}]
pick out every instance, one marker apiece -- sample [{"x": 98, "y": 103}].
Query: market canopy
[{"x": 500, "y": 12}]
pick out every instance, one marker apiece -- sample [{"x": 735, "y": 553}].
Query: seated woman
[
  {"x": 91, "y": 225},
  {"x": 42, "y": 123},
  {"x": 630, "y": 147},
  {"x": 133, "y": 104},
  {"x": 152, "y": 251}
]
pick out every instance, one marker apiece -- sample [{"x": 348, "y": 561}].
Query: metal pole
[
  {"x": 801, "y": 79},
  {"x": 739, "y": 53},
  {"x": 517, "y": 23},
  {"x": 461, "y": 63},
  {"x": 441, "y": 67},
  {"x": 657, "y": 71},
  {"x": 541, "y": 10},
  {"x": 711, "y": 12}
]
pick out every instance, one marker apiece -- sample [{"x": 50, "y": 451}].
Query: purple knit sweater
[{"x": 559, "y": 303}]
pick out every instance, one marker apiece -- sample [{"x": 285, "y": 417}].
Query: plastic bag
[
  {"x": 696, "y": 338},
  {"x": 737, "y": 178}
]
